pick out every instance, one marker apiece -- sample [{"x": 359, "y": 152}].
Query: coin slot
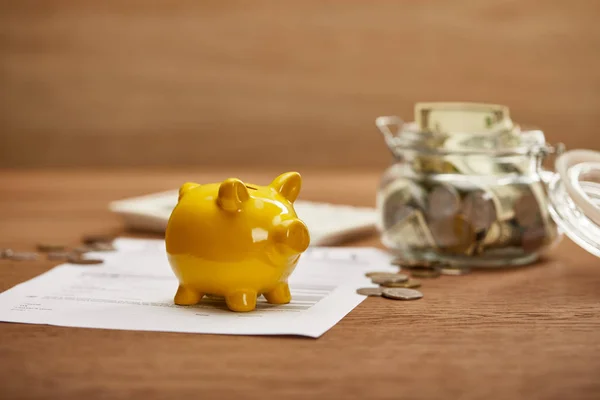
[{"x": 251, "y": 187}]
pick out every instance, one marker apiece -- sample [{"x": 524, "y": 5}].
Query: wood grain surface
[
  {"x": 157, "y": 82},
  {"x": 529, "y": 333}
]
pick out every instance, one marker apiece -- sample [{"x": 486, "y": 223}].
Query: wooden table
[{"x": 527, "y": 333}]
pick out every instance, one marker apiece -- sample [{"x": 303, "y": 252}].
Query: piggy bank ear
[
  {"x": 293, "y": 235},
  {"x": 186, "y": 187},
  {"x": 288, "y": 185},
  {"x": 232, "y": 194}
]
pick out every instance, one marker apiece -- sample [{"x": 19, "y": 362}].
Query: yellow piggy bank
[{"x": 236, "y": 240}]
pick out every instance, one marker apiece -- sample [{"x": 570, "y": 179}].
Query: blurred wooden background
[{"x": 150, "y": 82}]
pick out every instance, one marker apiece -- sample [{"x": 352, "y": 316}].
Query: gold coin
[
  {"x": 401, "y": 294},
  {"x": 410, "y": 283},
  {"x": 398, "y": 278},
  {"x": 369, "y": 291}
]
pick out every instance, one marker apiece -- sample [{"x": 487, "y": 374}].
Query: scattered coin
[
  {"x": 49, "y": 247},
  {"x": 77, "y": 259},
  {"x": 394, "y": 278},
  {"x": 379, "y": 273},
  {"x": 23, "y": 256},
  {"x": 425, "y": 273},
  {"x": 410, "y": 283},
  {"x": 92, "y": 239},
  {"x": 5, "y": 253},
  {"x": 401, "y": 294},
  {"x": 454, "y": 271},
  {"x": 82, "y": 249},
  {"x": 413, "y": 263},
  {"x": 58, "y": 255},
  {"x": 101, "y": 246},
  {"x": 369, "y": 291}
]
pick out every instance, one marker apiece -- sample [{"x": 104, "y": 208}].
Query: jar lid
[{"x": 574, "y": 197}]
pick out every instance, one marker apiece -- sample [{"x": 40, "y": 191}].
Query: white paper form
[{"x": 134, "y": 290}]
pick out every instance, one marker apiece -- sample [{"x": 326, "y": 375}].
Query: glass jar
[{"x": 473, "y": 200}]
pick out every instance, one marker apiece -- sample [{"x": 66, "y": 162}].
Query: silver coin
[
  {"x": 454, "y": 271},
  {"x": 479, "y": 209},
  {"x": 368, "y": 291},
  {"x": 397, "y": 278},
  {"x": 443, "y": 202},
  {"x": 401, "y": 294}
]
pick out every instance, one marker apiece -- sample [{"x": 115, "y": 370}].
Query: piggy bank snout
[{"x": 293, "y": 235}]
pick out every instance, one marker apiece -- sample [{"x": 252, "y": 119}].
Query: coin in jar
[
  {"x": 389, "y": 279},
  {"x": 370, "y": 291},
  {"x": 443, "y": 202},
  {"x": 479, "y": 209},
  {"x": 527, "y": 210},
  {"x": 454, "y": 234},
  {"x": 534, "y": 238},
  {"x": 401, "y": 294}
]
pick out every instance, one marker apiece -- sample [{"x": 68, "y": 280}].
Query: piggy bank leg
[
  {"x": 241, "y": 300},
  {"x": 279, "y": 295},
  {"x": 187, "y": 297}
]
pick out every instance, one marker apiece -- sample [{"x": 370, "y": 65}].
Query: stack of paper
[{"x": 134, "y": 290}]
